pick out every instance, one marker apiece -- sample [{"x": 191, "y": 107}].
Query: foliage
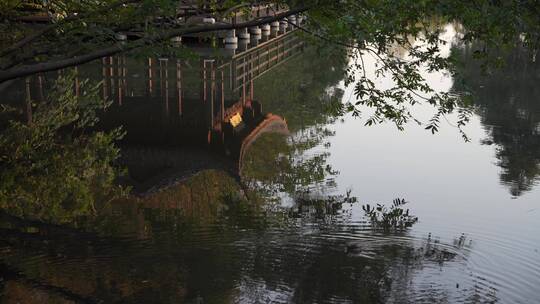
[
  {"x": 377, "y": 28},
  {"x": 323, "y": 208},
  {"x": 367, "y": 28},
  {"x": 390, "y": 218},
  {"x": 54, "y": 168},
  {"x": 86, "y": 29},
  {"x": 301, "y": 94}
]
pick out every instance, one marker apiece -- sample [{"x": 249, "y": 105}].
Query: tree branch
[
  {"x": 118, "y": 48},
  {"x": 21, "y": 43}
]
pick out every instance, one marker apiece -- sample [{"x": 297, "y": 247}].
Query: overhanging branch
[
  {"x": 53, "y": 26},
  {"x": 27, "y": 70}
]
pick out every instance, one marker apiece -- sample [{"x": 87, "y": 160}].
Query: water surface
[{"x": 278, "y": 224}]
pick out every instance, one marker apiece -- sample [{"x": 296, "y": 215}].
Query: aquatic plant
[
  {"x": 321, "y": 207},
  {"x": 393, "y": 217}
]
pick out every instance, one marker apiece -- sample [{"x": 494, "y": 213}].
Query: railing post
[
  {"x": 212, "y": 93},
  {"x": 222, "y": 96},
  {"x": 179, "y": 85},
  {"x": 124, "y": 74},
  {"x": 40, "y": 84},
  {"x": 28, "y": 102},
  {"x": 104, "y": 75},
  {"x": 209, "y": 90},
  {"x": 150, "y": 77},
  {"x": 111, "y": 74},
  {"x": 119, "y": 79},
  {"x": 164, "y": 81},
  {"x": 77, "y": 82},
  {"x": 274, "y": 29}
]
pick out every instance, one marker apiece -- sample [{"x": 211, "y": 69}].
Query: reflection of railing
[
  {"x": 241, "y": 14},
  {"x": 230, "y": 83},
  {"x": 210, "y": 93},
  {"x": 257, "y": 61}
]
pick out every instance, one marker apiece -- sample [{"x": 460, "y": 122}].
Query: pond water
[{"x": 265, "y": 217}]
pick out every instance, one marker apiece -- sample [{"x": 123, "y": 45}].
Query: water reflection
[
  {"x": 216, "y": 250},
  {"x": 507, "y": 100},
  {"x": 191, "y": 241},
  {"x": 250, "y": 213},
  {"x": 298, "y": 164},
  {"x": 200, "y": 240}
]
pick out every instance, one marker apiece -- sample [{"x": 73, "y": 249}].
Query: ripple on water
[
  {"x": 461, "y": 270},
  {"x": 337, "y": 260}
]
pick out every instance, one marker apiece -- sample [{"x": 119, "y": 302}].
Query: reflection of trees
[
  {"x": 167, "y": 247},
  {"x": 275, "y": 164},
  {"x": 508, "y": 101},
  {"x": 351, "y": 263},
  {"x": 172, "y": 245},
  {"x": 199, "y": 239},
  {"x": 300, "y": 91},
  {"x": 353, "y": 266}
]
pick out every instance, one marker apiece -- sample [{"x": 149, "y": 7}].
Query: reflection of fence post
[
  {"x": 150, "y": 77},
  {"x": 162, "y": 76},
  {"x": 111, "y": 74},
  {"x": 77, "y": 83},
  {"x": 164, "y": 81},
  {"x": 251, "y": 90},
  {"x": 274, "y": 29},
  {"x": 268, "y": 56},
  {"x": 265, "y": 32},
  {"x": 251, "y": 76},
  {"x": 255, "y": 35},
  {"x": 124, "y": 74},
  {"x": 279, "y": 46},
  {"x": 209, "y": 89},
  {"x": 258, "y": 62},
  {"x": 244, "y": 68},
  {"x": 212, "y": 93},
  {"x": 119, "y": 77},
  {"x": 179, "y": 85},
  {"x": 160, "y": 60},
  {"x": 244, "y": 81},
  {"x": 105, "y": 80},
  {"x": 283, "y": 24},
  {"x": 40, "y": 84},
  {"x": 222, "y": 96},
  {"x": 231, "y": 80},
  {"x": 203, "y": 76},
  {"x": 28, "y": 102}
]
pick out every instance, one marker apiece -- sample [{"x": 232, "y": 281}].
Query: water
[{"x": 270, "y": 233}]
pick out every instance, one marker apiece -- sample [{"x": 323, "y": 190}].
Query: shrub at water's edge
[{"x": 53, "y": 168}]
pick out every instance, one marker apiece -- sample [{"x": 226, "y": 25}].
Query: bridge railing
[
  {"x": 232, "y": 81},
  {"x": 219, "y": 87}
]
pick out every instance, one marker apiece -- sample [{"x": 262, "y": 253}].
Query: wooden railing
[{"x": 235, "y": 77}]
